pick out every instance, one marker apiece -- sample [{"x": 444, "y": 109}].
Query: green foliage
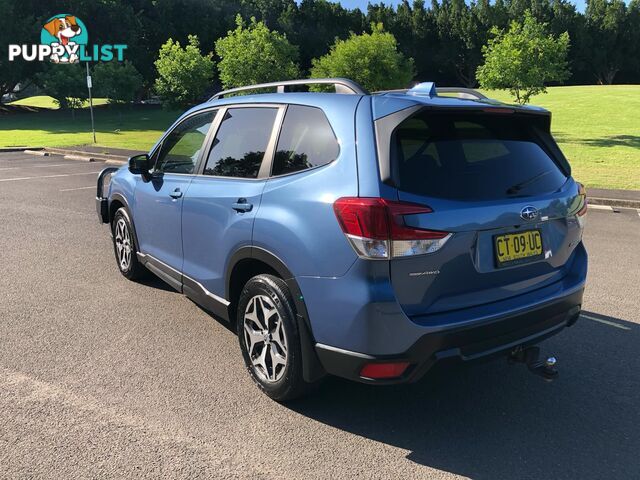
[
  {"x": 183, "y": 73},
  {"x": 16, "y": 23},
  {"x": 611, "y": 39},
  {"x": 67, "y": 84},
  {"x": 523, "y": 59},
  {"x": 444, "y": 37},
  {"x": 120, "y": 82},
  {"x": 254, "y": 54},
  {"x": 371, "y": 59}
]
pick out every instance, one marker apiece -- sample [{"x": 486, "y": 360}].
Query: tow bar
[{"x": 530, "y": 356}]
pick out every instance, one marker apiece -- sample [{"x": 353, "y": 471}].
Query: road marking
[
  {"x": 601, "y": 207},
  {"x": 40, "y": 166},
  {"x": 48, "y": 176},
  {"x": 79, "y": 188},
  {"x": 606, "y": 322}
]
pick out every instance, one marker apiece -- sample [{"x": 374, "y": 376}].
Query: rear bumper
[{"x": 481, "y": 340}]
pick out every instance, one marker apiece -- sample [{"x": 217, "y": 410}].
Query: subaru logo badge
[{"x": 529, "y": 213}]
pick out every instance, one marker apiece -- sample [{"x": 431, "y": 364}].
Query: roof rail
[
  {"x": 463, "y": 92},
  {"x": 468, "y": 93},
  {"x": 342, "y": 85}
]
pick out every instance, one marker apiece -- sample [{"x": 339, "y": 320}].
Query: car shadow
[
  {"x": 154, "y": 282},
  {"x": 498, "y": 421}
]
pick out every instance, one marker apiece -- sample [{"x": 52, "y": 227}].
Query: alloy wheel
[
  {"x": 123, "y": 244},
  {"x": 265, "y": 338}
]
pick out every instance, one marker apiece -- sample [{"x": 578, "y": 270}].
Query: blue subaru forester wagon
[{"x": 362, "y": 235}]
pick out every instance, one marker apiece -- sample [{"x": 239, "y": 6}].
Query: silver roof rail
[
  {"x": 466, "y": 93},
  {"x": 342, "y": 85}
]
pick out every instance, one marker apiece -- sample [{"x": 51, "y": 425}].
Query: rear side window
[
  {"x": 240, "y": 143},
  {"x": 472, "y": 157},
  {"x": 306, "y": 141}
]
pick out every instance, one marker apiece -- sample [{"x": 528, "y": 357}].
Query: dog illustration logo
[{"x": 64, "y": 33}]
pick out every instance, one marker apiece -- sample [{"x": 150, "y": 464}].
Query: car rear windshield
[{"x": 473, "y": 156}]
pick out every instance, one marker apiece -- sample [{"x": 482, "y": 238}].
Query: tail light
[
  {"x": 377, "y": 230},
  {"x": 582, "y": 193}
]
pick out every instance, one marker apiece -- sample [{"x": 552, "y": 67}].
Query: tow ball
[{"x": 530, "y": 356}]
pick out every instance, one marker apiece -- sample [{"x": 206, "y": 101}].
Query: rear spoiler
[{"x": 541, "y": 120}]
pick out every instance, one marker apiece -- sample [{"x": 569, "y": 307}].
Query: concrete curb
[
  {"x": 80, "y": 155},
  {"x": 614, "y": 202},
  {"x": 40, "y": 153}
]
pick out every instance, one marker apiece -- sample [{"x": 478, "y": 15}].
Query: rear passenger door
[{"x": 220, "y": 206}]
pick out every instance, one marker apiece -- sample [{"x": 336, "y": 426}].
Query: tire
[
  {"x": 124, "y": 247},
  {"x": 271, "y": 349}
]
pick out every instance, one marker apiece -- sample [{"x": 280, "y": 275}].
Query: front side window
[
  {"x": 241, "y": 142},
  {"x": 181, "y": 148},
  {"x": 306, "y": 141}
]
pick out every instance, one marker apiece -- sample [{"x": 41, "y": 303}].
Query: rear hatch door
[{"x": 496, "y": 180}]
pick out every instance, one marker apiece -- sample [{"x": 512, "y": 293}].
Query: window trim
[
  {"x": 158, "y": 147},
  {"x": 271, "y": 175},
  {"x": 267, "y": 160}
]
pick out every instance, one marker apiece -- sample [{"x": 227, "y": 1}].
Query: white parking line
[
  {"x": 601, "y": 207},
  {"x": 39, "y": 166},
  {"x": 48, "y": 176},
  {"x": 79, "y": 188},
  {"x": 606, "y": 322}
]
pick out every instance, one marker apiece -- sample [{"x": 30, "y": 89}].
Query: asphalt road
[{"x": 101, "y": 377}]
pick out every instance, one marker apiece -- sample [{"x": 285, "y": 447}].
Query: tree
[
  {"x": 372, "y": 59},
  {"x": 15, "y": 25},
  {"x": 65, "y": 83},
  {"x": 254, "y": 54},
  {"x": 314, "y": 25},
  {"x": 119, "y": 82},
  {"x": 183, "y": 73},
  {"x": 524, "y": 59},
  {"x": 609, "y": 39}
]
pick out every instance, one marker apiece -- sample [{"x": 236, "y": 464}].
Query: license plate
[{"x": 517, "y": 247}]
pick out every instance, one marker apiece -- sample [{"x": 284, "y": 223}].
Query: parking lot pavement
[{"x": 101, "y": 377}]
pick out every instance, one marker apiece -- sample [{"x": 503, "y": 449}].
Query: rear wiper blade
[{"x": 513, "y": 189}]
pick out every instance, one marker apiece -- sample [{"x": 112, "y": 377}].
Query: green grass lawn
[
  {"x": 123, "y": 127},
  {"x": 598, "y": 128},
  {"x": 44, "y": 101}
]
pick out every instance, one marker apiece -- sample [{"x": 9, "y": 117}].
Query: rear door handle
[
  {"x": 242, "y": 206},
  {"x": 176, "y": 193}
]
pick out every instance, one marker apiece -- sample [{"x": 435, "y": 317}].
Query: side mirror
[{"x": 140, "y": 165}]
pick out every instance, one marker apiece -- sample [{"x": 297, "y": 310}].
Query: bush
[
  {"x": 373, "y": 60},
  {"x": 118, "y": 81},
  {"x": 183, "y": 73},
  {"x": 67, "y": 84},
  {"x": 254, "y": 54},
  {"x": 524, "y": 59}
]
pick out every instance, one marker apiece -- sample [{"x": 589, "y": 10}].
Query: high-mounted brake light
[
  {"x": 498, "y": 110},
  {"x": 377, "y": 230}
]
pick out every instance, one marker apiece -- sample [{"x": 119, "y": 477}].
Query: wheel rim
[
  {"x": 123, "y": 244},
  {"x": 265, "y": 338}
]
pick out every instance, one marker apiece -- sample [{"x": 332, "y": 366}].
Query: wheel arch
[
  {"x": 117, "y": 202},
  {"x": 249, "y": 261}
]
